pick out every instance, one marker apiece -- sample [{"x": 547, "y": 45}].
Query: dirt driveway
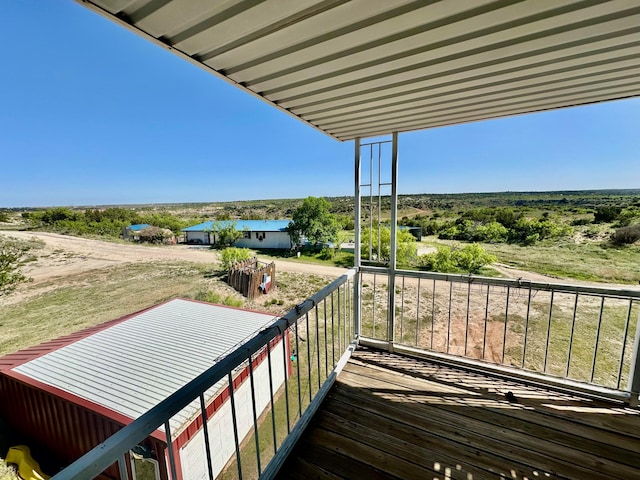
[{"x": 63, "y": 257}]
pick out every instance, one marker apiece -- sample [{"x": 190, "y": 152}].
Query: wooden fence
[{"x": 251, "y": 279}]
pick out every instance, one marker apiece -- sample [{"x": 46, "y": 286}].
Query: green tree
[
  {"x": 226, "y": 233},
  {"x": 468, "y": 259},
  {"x": 406, "y": 252},
  {"x": 314, "y": 221},
  {"x": 606, "y": 214},
  {"x": 4, "y": 217},
  {"x": 232, "y": 255},
  {"x": 13, "y": 254}
]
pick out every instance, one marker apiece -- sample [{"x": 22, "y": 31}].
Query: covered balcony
[{"x": 397, "y": 373}]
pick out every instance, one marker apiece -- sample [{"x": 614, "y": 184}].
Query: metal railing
[
  {"x": 582, "y": 334},
  {"x": 315, "y": 340}
]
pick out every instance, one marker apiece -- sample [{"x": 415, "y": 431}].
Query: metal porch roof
[
  {"x": 248, "y": 225},
  {"x": 364, "y": 68},
  {"x": 131, "y": 365}
]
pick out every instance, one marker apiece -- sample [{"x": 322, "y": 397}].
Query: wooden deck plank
[
  {"x": 508, "y": 415},
  {"x": 391, "y": 416},
  {"x": 615, "y": 418}
]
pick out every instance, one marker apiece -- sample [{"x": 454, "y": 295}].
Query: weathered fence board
[{"x": 251, "y": 279}]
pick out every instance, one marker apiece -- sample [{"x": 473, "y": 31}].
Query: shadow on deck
[{"x": 391, "y": 416}]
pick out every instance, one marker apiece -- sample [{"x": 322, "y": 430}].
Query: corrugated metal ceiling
[{"x": 364, "y": 68}]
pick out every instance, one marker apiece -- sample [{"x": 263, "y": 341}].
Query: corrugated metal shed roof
[
  {"x": 250, "y": 225},
  {"x": 363, "y": 68},
  {"x": 133, "y": 365}
]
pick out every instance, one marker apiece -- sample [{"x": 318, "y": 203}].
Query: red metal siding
[{"x": 65, "y": 429}]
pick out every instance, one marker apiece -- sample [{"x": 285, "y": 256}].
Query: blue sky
[{"x": 92, "y": 114}]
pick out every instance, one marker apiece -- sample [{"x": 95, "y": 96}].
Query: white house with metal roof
[
  {"x": 256, "y": 233},
  {"x": 126, "y": 368}
]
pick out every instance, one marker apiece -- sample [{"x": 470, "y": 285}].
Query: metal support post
[
  {"x": 357, "y": 263},
  {"x": 634, "y": 371},
  {"x": 391, "y": 315}
]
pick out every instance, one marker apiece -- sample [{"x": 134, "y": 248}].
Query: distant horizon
[{"x": 629, "y": 191}]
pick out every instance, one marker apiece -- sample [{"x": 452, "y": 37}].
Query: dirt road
[{"x": 66, "y": 256}]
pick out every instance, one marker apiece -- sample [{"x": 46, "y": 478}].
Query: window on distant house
[{"x": 247, "y": 234}]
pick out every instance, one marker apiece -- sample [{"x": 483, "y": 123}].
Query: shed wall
[
  {"x": 193, "y": 454},
  {"x": 66, "y": 429},
  {"x": 269, "y": 240}
]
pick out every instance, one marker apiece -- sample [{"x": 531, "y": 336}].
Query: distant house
[
  {"x": 256, "y": 233},
  {"x": 132, "y": 232}
]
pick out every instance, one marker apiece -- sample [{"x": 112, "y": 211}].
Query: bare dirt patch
[{"x": 63, "y": 258}]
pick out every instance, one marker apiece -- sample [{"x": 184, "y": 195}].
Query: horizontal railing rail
[
  {"x": 323, "y": 334},
  {"x": 581, "y": 333}
]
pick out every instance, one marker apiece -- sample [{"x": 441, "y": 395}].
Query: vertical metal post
[
  {"x": 172, "y": 458},
  {"x": 624, "y": 343},
  {"x": 273, "y": 408},
  {"x": 357, "y": 261},
  {"x": 634, "y": 370},
  {"x": 391, "y": 316},
  {"x": 286, "y": 359},
  {"x": 122, "y": 467},
  {"x": 205, "y": 431},
  {"x": 255, "y": 414},
  {"x": 234, "y": 419}
]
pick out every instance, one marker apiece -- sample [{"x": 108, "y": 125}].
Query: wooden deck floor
[{"x": 390, "y": 416}]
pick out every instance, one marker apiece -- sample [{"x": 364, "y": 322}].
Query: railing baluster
[
  {"x": 348, "y": 312},
  {"x": 326, "y": 346},
  {"x": 506, "y": 324},
  {"x": 466, "y": 326},
  {"x": 298, "y": 359},
  {"x": 526, "y": 326},
  {"x": 433, "y": 312},
  {"x": 418, "y": 313},
  {"x": 172, "y": 457},
  {"x": 333, "y": 338},
  {"x": 373, "y": 334},
  {"x": 318, "y": 346},
  {"x": 339, "y": 323},
  {"x": 449, "y": 316},
  {"x": 486, "y": 319},
  {"x": 205, "y": 431},
  {"x": 573, "y": 326},
  {"x": 402, "y": 313},
  {"x": 122, "y": 467},
  {"x": 624, "y": 343},
  {"x": 273, "y": 409},
  {"x": 234, "y": 420},
  {"x": 285, "y": 348},
  {"x": 595, "y": 347},
  {"x": 546, "y": 350},
  {"x": 309, "y": 357},
  {"x": 255, "y": 415}
]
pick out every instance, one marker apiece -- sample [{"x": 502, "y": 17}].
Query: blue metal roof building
[
  {"x": 242, "y": 225},
  {"x": 257, "y": 234},
  {"x": 138, "y": 227}
]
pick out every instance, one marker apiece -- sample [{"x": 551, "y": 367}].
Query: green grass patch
[
  {"x": 95, "y": 297},
  {"x": 588, "y": 261}
]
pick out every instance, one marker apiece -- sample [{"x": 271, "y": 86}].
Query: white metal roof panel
[
  {"x": 132, "y": 366},
  {"x": 368, "y": 67}
]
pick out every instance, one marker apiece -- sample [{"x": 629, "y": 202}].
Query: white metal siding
[
  {"x": 193, "y": 454},
  {"x": 270, "y": 240}
]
